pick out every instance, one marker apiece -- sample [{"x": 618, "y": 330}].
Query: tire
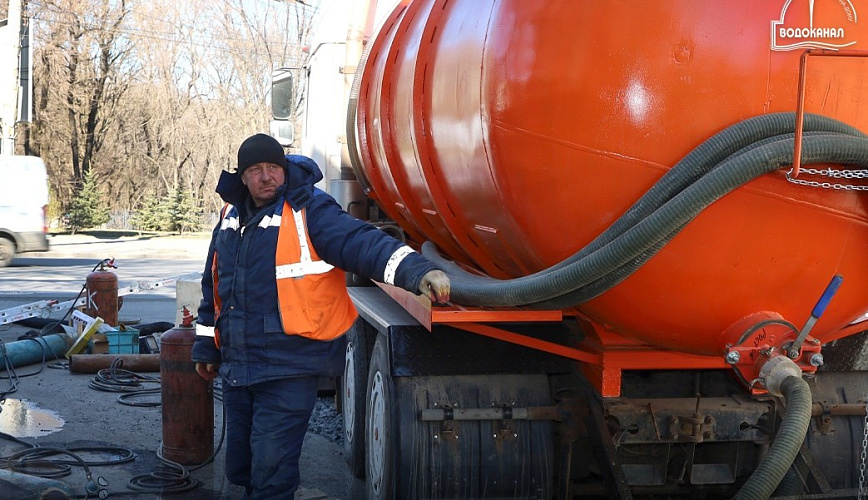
[
  {"x": 7, "y": 251},
  {"x": 380, "y": 431},
  {"x": 360, "y": 339}
]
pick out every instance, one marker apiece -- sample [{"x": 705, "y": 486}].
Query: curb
[{"x": 145, "y": 247}]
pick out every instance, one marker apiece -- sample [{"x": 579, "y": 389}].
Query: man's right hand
[
  {"x": 435, "y": 285},
  {"x": 208, "y": 371}
]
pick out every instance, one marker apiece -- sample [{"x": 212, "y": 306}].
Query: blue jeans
[{"x": 265, "y": 428}]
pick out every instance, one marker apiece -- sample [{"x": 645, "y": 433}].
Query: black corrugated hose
[
  {"x": 722, "y": 163},
  {"x": 785, "y": 447},
  {"x": 608, "y": 281}
]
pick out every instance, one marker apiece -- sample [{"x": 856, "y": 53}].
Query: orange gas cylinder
[
  {"x": 187, "y": 399},
  {"x": 102, "y": 293},
  {"x": 512, "y": 133}
]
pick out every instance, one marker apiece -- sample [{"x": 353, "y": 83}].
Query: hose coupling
[{"x": 775, "y": 371}]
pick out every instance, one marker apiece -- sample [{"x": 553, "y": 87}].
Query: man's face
[{"x": 262, "y": 180}]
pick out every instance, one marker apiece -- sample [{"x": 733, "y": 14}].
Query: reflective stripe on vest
[
  {"x": 305, "y": 265},
  {"x": 313, "y": 296}
]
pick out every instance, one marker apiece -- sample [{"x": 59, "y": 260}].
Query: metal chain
[
  {"x": 834, "y": 174},
  {"x": 864, "y": 456},
  {"x": 837, "y": 174}
]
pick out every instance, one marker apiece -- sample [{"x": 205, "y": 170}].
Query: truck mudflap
[
  {"x": 501, "y": 447},
  {"x": 409, "y": 456},
  {"x": 835, "y": 445}
]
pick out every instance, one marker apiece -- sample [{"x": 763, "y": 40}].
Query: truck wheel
[
  {"x": 360, "y": 339},
  {"x": 380, "y": 432},
  {"x": 7, "y": 251}
]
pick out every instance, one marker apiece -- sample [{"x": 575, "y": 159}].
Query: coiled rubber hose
[
  {"x": 720, "y": 164},
  {"x": 608, "y": 281},
  {"x": 782, "y": 453}
]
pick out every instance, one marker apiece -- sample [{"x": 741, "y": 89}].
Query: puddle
[{"x": 21, "y": 418}]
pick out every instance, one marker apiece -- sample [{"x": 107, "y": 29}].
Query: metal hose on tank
[{"x": 720, "y": 164}]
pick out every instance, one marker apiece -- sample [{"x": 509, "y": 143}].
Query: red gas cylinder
[
  {"x": 102, "y": 293},
  {"x": 188, "y": 400}
]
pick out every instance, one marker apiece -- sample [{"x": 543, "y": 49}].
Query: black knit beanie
[{"x": 260, "y": 148}]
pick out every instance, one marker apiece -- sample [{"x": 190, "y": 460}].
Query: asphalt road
[{"x": 86, "y": 416}]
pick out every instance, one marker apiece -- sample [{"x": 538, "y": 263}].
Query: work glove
[
  {"x": 208, "y": 371},
  {"x": 435, "y": 285}
]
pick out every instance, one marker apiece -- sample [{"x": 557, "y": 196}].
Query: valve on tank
[
  {"x": 101, "y": 287},
  {"x": 765, "y": 336},
  {"x": 187, "y": 399}
]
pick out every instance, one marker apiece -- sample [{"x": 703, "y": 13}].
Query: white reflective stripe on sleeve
[
  {"x": 204, "y": 331},
  {"x": 230, "y": 223},
  {"x": 302, "y": 269},
  {"x": 395, "y": 261},
  {"x": 267, "y": 221}
]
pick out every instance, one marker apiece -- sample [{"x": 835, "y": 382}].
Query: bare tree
[
  {"x": 154, "y": 97},
  {"x": 79, "y": 81}
]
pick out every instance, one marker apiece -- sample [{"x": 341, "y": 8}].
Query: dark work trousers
[{"x": 265, "y": 427}]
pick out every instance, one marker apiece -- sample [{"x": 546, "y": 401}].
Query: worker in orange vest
[{"x": 276, "y": 307}]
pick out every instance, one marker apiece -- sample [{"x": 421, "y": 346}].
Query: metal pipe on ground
[
  {"x": 33, "y": 350},
  {"x": 25, "y": 486},
  {"x": 92, "y": 363}
]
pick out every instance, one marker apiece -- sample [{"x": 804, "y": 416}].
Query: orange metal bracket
[
  {"x": 426, "y": 314},
  {"x": 800, "y": 103},
  {"x": 532, "y": 342},
  {"x": 604, "y": 354},
  {"x": 617, "y": 354}
]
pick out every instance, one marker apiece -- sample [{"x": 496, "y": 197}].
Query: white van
[{"x": 23, "y": 206}]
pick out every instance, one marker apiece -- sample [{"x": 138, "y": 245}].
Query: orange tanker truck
[{"x": 655, "y": 219}]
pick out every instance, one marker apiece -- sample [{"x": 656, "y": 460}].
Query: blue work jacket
[{"x": 254, "y": 347}]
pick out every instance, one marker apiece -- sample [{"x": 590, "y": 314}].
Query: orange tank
[{"x": 511, "y": 133}]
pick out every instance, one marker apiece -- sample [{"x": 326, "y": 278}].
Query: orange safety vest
[
  {"x": 312, "y": 294},
  {"x": 218, "y": 302},
  {"x": 313, "y": 297}
]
